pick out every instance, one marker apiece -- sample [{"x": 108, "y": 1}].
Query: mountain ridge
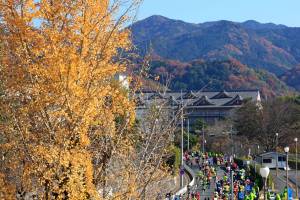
[
  {"x": 267, "y": 46},
  {"x": 259, "y": 46}
]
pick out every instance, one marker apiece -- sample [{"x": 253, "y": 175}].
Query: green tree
[
  {"x": 199, "y": 124},
  {"x": 260, "y": 123}
]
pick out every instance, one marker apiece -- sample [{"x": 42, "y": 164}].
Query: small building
[{"x": 268, "y": 159}]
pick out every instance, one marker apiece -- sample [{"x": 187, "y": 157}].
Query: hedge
[{"x": 292, "y": 164}]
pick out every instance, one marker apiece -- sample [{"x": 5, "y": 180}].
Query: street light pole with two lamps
[
  {"x": 297, "y": 192},
  {"x": 276, "y": 134},
  {"x": 264, "y": 172},
  {"x": 286, "y": 150}
]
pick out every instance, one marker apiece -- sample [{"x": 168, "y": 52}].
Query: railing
[{"x": 191, "y": 174}]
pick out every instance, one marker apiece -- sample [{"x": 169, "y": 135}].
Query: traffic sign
[{"x": 181, "y": 171}]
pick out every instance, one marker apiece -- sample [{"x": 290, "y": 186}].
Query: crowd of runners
[
  {"x": 213, "y": 179},
  {"x": 215, "y": 170}
]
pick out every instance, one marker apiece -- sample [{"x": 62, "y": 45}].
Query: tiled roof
[
  {"x": 232, "y": 98},
  {"x": 188, "y": 95},
  {"x": 236, "y": 101},
  {"x": 221, "y": 95},
  {"x": 203, "y": 101}
]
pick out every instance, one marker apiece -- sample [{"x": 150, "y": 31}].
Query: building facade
[
  {"x": 268, "y": 159},
  {"x": 210, "y": 106}
]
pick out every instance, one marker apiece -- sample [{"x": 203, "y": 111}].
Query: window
[
  {"x": 269, "y": 160},
  {"x": 281, "y": 159}
]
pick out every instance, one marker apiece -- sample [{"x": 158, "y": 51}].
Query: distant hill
[
  {"x": 275, "y": 48},
  {"x": 292, "y": 78},
  {"x": 230, "y": 74}
]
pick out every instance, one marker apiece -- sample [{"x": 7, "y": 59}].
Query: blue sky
[{"x": 277, "y": 11}]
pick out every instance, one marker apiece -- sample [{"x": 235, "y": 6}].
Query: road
[
  {"x": 208, "y": 192},
  {"x": 280, "y": 181}
]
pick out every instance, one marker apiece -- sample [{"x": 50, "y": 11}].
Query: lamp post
[
  {"x": 188, "y": 132},
  {"x": 181, "y": 175},
  {"x": 231, "y": 138},
  {"x": 203, "y": 140},
  {"x": 254, "y": 160},
  {"x": 276, "y": 134},
  {"x": 241, "y": 150},
  {"x": 231, "y": 183},
  {"x": 264, "y": 172},
  {"x": 248, "y": 166},
  {"x": 286, "y": 150},
  {"x": 296, "y": 141},
  {"x": 249, "y": 152}
]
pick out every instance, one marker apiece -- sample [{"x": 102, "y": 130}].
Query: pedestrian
[{"x": 198, "y": 195}]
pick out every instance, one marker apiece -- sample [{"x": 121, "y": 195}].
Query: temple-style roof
[
  {"x": 221, "y": 95},
  {"x": 188, "y": 95},
  {"x": 203, "y": 101},
  {"x": 232, "y": 98},
  {"x": 236, "y": 101}
]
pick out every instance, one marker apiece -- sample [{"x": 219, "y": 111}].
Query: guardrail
[{"x": 191, "y": 174}]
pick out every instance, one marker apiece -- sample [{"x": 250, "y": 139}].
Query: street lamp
[
  {"x": 264, "y": 172},
  {"x": 181, "y": 144},
  {"x": 276, "y": 134},
  {"x": 231, "y": 183},
  {"x": 248, "y": 165},
  {"x": 296, "y": 141},
  {"x": 241, "y": 150},
  {"x": 249, "y": 152},
  {"x": 203, "y": 140},
  {"x": 188, "y": 132},
  {"x": 286, "y": 150},
  {"x": 256, "y": 157}
]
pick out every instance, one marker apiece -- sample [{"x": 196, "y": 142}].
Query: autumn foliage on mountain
[
  {"x": 275, "y": 49},
  {"x": 292, "y": 77},
  {"x": 217, "y": 75}
]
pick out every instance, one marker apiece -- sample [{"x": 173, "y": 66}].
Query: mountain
[
  {"x": 292, "y": 78},
  {"x": 252, "y": 24},
  {"x": 217, "y": 75},
  {"x": 275, "y": 48}
]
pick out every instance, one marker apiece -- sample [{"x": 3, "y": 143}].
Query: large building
[{"x": 208, "y": 105}]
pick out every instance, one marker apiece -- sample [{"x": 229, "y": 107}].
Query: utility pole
[
  {"x": 286, "y": 150},
  {"x": 203, "y": 139},
  {"x": 232, "y": 151},
  {"x": 181, "y": 168},
  {"x": 276, "y": 134},
  {"x": 297, "y": 192},
  {"x": 231, "y": 183},
  {"x": 287, "y": 172},
  {"x": 188, "y": 132}
]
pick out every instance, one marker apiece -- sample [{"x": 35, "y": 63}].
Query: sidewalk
[{"x": 280, "y": 181}]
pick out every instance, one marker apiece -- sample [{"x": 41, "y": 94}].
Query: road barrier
[{"x": 191, "y": 175}]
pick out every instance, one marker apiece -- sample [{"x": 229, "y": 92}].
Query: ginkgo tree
[{"x": 63, "y": 116}]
